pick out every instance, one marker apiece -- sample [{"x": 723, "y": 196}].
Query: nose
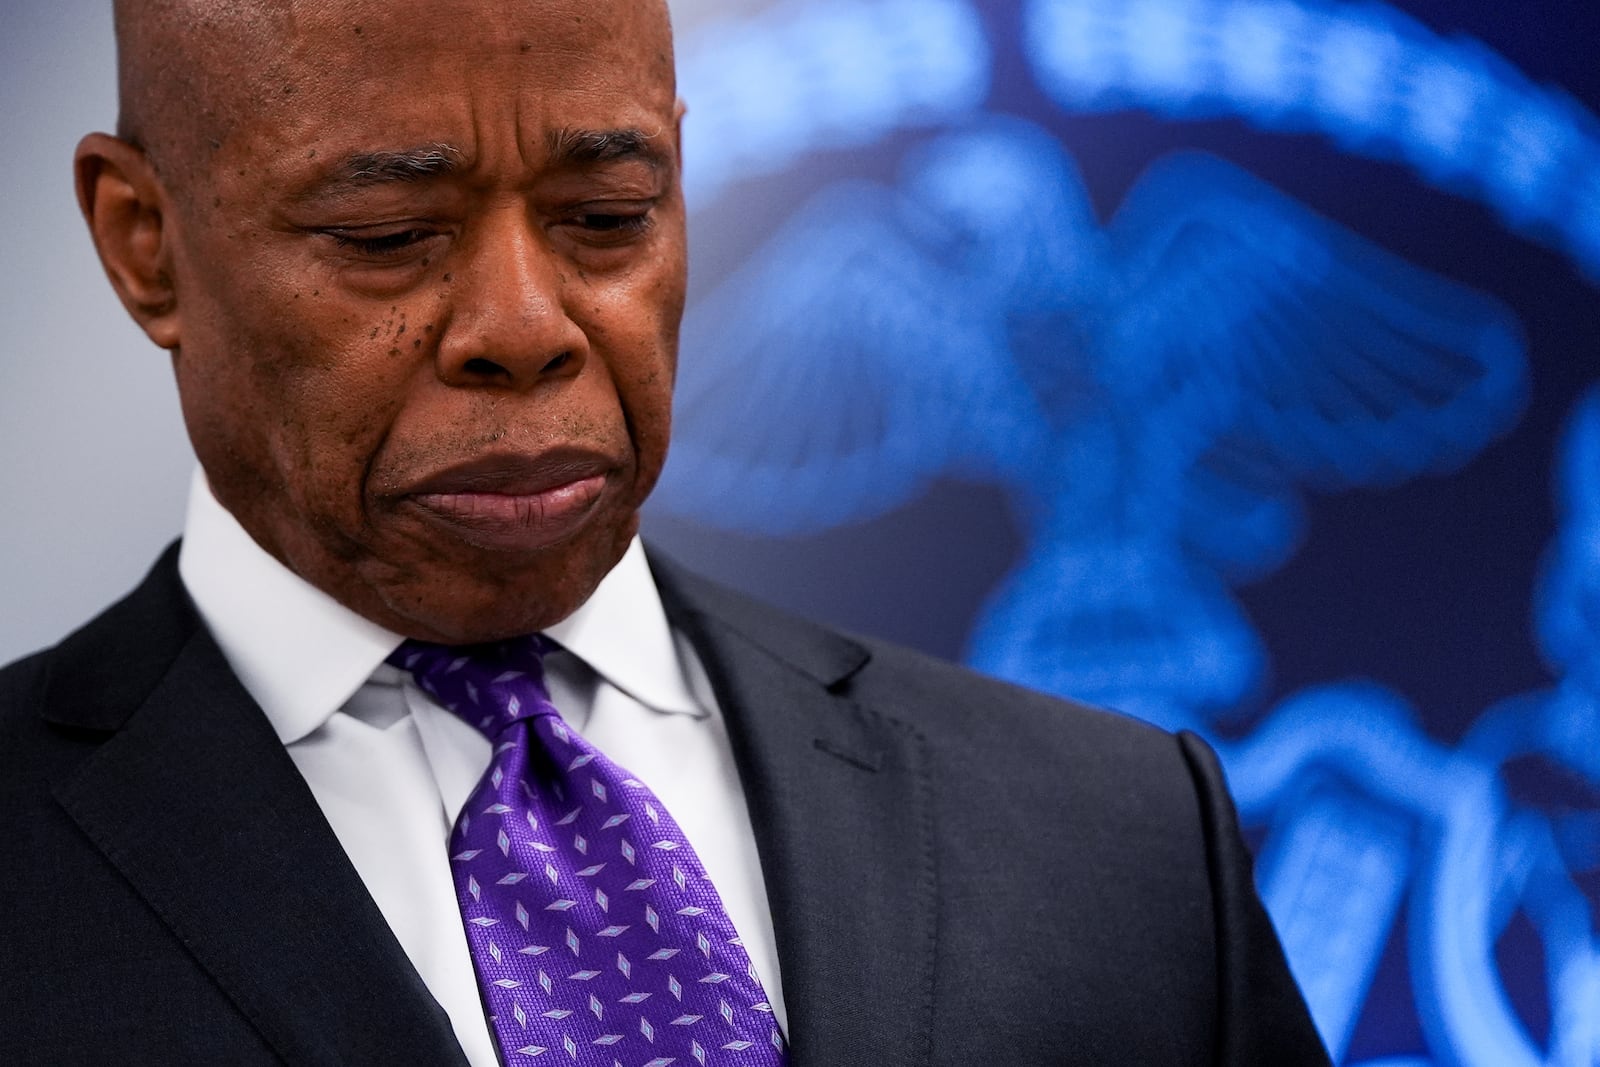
[{"x": 507, "y": 323}]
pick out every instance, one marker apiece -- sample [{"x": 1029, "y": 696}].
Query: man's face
[{"x": 428, "y": 292}]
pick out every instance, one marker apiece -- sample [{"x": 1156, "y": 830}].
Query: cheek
[
  {"x": 638, "y": 318},
  {"x": 339, "y": 394},
  {"x": 637, "y": 330},
  {"x": 647, "y": 404},
  {"x": 302, "y": 398}
]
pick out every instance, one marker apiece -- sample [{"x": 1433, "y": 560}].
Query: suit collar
[
  {"x": 826, "y": 656},
  {"x": 193, "y": 800},
  {"x": 840, "y": 798}
]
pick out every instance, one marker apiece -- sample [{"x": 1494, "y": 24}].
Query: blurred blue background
[{"x": 1225, "y": 362}]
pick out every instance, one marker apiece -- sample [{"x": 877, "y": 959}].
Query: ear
[
  {"x": 125, "y": 205},
  {"x": 680, "y": 109}
]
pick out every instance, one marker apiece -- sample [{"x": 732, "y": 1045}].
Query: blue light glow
[
  {"x": 767, "y": 89},
  {"x": 1210, "y": 349},
  {"x": 1367, "y": 75},
  {"x": 805, "y": 76},
  {"x": 1154, "y": 394},
  {"x": 1259, "y": 57}
]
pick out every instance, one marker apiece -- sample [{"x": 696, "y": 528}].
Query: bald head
[
  {"x": 184, "y": 68},
  {"x": 190, "y": 72}
]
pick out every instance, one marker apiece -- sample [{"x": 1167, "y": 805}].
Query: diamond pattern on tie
[{"x": 560, "y": 850}]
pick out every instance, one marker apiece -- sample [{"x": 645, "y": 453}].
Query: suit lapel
[
  {"x": 195, "y": 802},
  {"x": 839, "y": 799}
]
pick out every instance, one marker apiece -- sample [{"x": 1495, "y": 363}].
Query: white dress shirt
[{"x": 391, "y": 769}]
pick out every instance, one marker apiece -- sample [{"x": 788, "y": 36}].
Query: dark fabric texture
[{"x": 960, "y": 872}]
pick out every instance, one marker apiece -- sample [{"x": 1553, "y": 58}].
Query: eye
[
  {"x": 607, "y": 223},
  {"x": 611, "y": 227},
  {"x": 381, "y": 245}
]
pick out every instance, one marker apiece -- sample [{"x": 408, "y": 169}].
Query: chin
[{"x": 488, "y": 598}]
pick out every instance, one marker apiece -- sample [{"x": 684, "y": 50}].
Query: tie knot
[{"x": 487, "y": 686}]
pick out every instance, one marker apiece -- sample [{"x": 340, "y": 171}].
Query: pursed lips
[{"x": 515, "y": 502}]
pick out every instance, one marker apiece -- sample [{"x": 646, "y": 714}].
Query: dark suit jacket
[{"x": 960, "y": 873}]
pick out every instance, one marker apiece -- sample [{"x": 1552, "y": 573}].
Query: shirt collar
[
  {"x": 622, "y": 633},
  {"x": 302, "y": 655}
]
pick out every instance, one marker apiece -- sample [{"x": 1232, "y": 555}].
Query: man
[{"x": 309, "y": 794}]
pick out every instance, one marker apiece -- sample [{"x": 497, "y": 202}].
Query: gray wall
[{"x": 96, "y": 463}]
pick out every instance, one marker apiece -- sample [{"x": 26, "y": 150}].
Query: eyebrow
[
  {"x": 566, "y": 148},
  {"x": 573, "y": 147},
  {"x": 367, "y": 170},
  {"x": 406, "y": 165}
]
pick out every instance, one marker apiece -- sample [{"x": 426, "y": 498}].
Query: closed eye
[
  {"x": 608, "y": 223},
  {"x": 380, "y": 245}
]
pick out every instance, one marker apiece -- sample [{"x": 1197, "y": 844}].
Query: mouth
[{"x": 514, "y": 503}]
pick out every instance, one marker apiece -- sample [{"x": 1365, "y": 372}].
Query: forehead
[{"x": 343, "y": 76}]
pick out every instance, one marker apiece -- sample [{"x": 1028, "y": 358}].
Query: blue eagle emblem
[{"x": 1152, "y": 395}]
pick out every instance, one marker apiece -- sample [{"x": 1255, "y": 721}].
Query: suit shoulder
[
  {"x": 948, "y": 703},
  {"x": 956, "y": 707},
  {"x": 21, "y": 684},
  {"x": 906, "y": 674},
  {"x": 98, "y": 673}
]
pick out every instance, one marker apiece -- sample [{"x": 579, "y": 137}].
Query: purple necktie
[{"x": 596, "y": 935}]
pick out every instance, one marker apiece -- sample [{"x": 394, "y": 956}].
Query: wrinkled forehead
[
  {"x": 544, "y": 64},
  {"x": 295, "y": 72},
  {"x": 258, "y": 29},
  {"x": 625, "y": 33}
]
